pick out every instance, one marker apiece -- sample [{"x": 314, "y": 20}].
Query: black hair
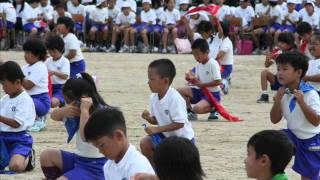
[
  {"x": 104, "y": 122},
  {"x": 205, "y": 26},
  {"x": 33, "y": 1},
  {"x": 295, "y": 59},
  {"x": 272, "y": 3},
  {"x": 60, "y": 5},
  {"x": 225, "y": 25},
  {"x": 177, "y": 158},
  {"x": 11, "y": 71},
  {"x": 55, "y": 42},
  {"x": 22, "y": 5},
  {"x": 304, "y": 28},
  {"x": 80, "y": 1},
  {"x": 68, "y": 22},
  {"x": 276, "y": 145},
  {"x": 165, "y": 68},
  {"x": 83, "y": 85},
  {"x": 200, "y": 44},
  {"x": 287, "y": 38},
  {"x": 36, "y": 47},
  {"x": 156, "y": 3},
  {"x": 54, "y": 3}
]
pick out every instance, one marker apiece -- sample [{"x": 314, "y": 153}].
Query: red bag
[{"x": 244, "y": 47}]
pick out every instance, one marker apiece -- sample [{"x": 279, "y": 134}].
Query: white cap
[
  {"x": 184, "y": 2},
  {"x": 146, "y": 1},
  {"x": 125, "y": 4},
  {"x": 99, "y": 2},
  {"x": 309, "y": 2},
  {"x": 291, "y": 1}
]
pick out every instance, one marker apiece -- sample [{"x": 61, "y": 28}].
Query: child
[
  {"x": 299, "y": 104},
  {"x": 30, "y": 16},
  {"x": 304, "y": 30},
  {"x": 158, "y": 28},
  {"x": 36, "y": 80},
  {"x": 168, "y": 157},
  {"x": 106, "y": 130},
  {"x": 196, "y": 18},
  {"x": 313, "y": 73},
  {"x": 46, "y": 10},
  {"x": 17, "y": 114},
  {"x": 58, "y": 67},
  {"x": 60, "y": 11},
  {"x": 290, "y": 18},
  {"x": 72, "y": 50},
  {"x": 148, "y": 20},
  {"x": 274, "y": 23},
  {"x": 170, "y": 19},
  {"x": 123, "y": 25},
  {"x": 76, "y": 8},
  {"x": 168, "y": 108},
  {"x": 9, "y": 19},
  {"x": 224, "y": 11},
  {"x": 285, "y": 44},
  {"x": 246, "y": 13},
  {"x": 269, "y": 152},
  {"x": 112, "y": 14},
  {"x": 309, "y": 15},
  {"x": 205, "y": 74},
  {"x": 83, "y": 99}
]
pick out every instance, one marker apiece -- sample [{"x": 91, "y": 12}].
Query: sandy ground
[{"x": 123, "y": 83}]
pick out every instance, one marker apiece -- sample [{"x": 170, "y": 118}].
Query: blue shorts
[
  {"x": 78, "y": 26},
  {"x": 140, "y": 27},
  {"x": 42, "y": 103},
  {"x": 77, "y": 67},
  {"x": 157, "y": 28},
  {"x": 276, "y": 85},
  {"x": 17, "y": 143},
  {"x": 197, "y": 96},
  {"x": 57, "y": 92},
  {"x": 307, "y": 158},
  {"x": 289, "y": 28},
  {"x": 82, "y": 168},
  {"x": 29, "y": 26},
  {"x": 99, "y": 27},
  {"x": 227, "y": 70},
  {"x": 10, "y": 25},
  {"x": 157, "y": 138}
]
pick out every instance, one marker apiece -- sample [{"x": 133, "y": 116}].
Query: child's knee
[
  {"x": 62, "y": 178},
  {"x": 145, "y": 144},
  {"x": 17, "y": 166},
  {"x": 47, "y": 156}
]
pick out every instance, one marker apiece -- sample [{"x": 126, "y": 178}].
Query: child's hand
[
  {"x": 146, "y": 115},
  {"x": 299, "y": 96},
  {"x": 71, "y": 110},
  {"x": 151, "y": 130},
  {"x": 190, "y": 76},
  {"x": 51, "y": 73},
  {"x": 86, "y": 103},
  {"x": 279, "y": 95}
]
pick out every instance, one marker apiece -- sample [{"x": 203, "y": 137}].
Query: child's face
[
  {"x": 195, "y": 16},
  {"x": 265, "y": 2},
  {"x": 126, "y": 11},
  {"x": 287, "y": 74},
  {"x": 104, "y": 4},
  {"x": 34, "y": 5},
  {"x": 146, "y": 6},
  {"x": 44, "y": 2},
  {"x": 62, "y": 29},
  {"x": 171, "y": 4},
  {"x": 55, "y": 54},
  {"x": 306, "y": 37},
  {"x": 309, "y": 9},
  {"x": 283, "y": 46},
  {"x": 291, "y": 7},
  {"x": 201, "y": 57},
  {"x": 244, "y": 5},
  {"x": 184, "y": 7},
  {"x": 75, "y": 2},
  {"x": 11, "y": 88},
  {"x": 315, "y": 47},
  {"x": 111, "y": 4},
  {"x": 30, "y": 58},
  {"x": 110, "y": 147},
  {"x": 60, "y": 11},
  {"x": 156, "y": 82},
  {"x": 254, "y": 167}
]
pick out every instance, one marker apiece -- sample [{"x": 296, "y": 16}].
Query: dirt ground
[{"x": 123, "y": 83}]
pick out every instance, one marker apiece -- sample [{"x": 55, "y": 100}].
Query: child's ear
[
  {"x": 118, "y": 134},
  {"x": 265, "y": 160}
]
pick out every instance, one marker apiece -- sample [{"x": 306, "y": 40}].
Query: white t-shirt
[
  {"x": 312, "y": 20},
  {"x": 159, "y": 14},
  {"x": 314, "y": 69},
  {"x": 133, "y": 4},
  {"x": 61, "y": 65},
  {"x": 284, "y": 7},
  {"x": 276, "y": 11},
  {"x": 123, "y": 19},
  {"x": 99, "y": 15},
  {"x": 171, "y": 17},
  {"x": 37, "y": 73},
  {"x": 149, "y": 16},
  {"x": 171, "y": 109},
  {"x": 71, "y": 42},
  {"x": 113, "y": 13},
  {"x": 47, "y": 11},
  {"x": 25, "y": 9},
  {"x": 56, "y": 16},
  {"x": 76, "y": 9},
  {"x": 227, "y": 48},
  {"x": 294, "y": 16},
  {"x": 261, "y": 9},
  {"x": 214, "y": 46},
  {"x": 246, "y": 14},
  {"x": 30, "y": 13},
  {"x": 209, "y": 72},
  {"x": 296, "y": 120},
  {"x": 222, "y": 12},
  {"x": 131, "y": 163},
  {"x": 193, "y": 23},
  {"x": 20, "y": 108},
  {"x": 85, "y": 149},
  {"x": 9, "y": 10}
]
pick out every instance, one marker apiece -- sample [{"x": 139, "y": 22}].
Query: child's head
[
  {"x": 286, "y": 41},
  {"x": 161, "y": 73},
  {"x": 292, "y": 66},
  {"x": 291, "y": 4},
  {"x": 273, "y": 3},
  {"x": 82, "y": 86},
  {"x": 126, "y": 8},
  {"x": 225, "y": 28},
  {"x": 309, "y": 6},
  {"x": 102, "y": 4},
  {"x": 106, "y": 129},
  {"x": 314, "y": 46},
  {"x": 146, "y": 4},
  {"x": 34, "y": 3},
  {"x": 184, "y": 5},
  {"x": 65, "y": 25},
  {"x": 177, "y": 158},
  {"x": 111, "y": 4},
  {"x": 200, "y": 50},
  {"x": 269, "y": 151},
  {"x": 11, "y": 77},
  {"x": 205, "y": 28},
  {"x": 170, "y": 4},
  {"x": 34, "y": 51},
  {"x": 76, "y": 2},
  {"x": 304, "y": 30},
  {"x": 44, "y": 3},
  {"x": 55, "y": 46},
  {"x": 244, "y": 4},
  {"x": 156, "y": 4},
  {"x": 265, "y": 2}
]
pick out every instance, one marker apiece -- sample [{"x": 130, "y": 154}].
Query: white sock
[{"x": 264, "y": 92}]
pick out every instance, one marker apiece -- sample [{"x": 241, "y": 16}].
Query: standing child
[
  {"x": 205, "y": 74},
  {"x": 17, "y": 114},
  {"x": 168, "y": 108},
  {"x": 269, "y": 152},
  {"x": 86, "y": 163},
  {"x": 299, "y": 104},
  {"x": 58, "y": 67},
  {"x": 106, "y": 130},
  {"x": 36, "y": 80},
  {"x": 304, "y": 30},
  {"x": 72, "y": 50}
]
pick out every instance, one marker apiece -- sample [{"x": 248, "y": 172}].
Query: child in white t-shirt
[
  {"x": 275, "y": 23},
  {"x": 7, "y": 9},
  {"x": 32, "y": 17},
  {"x": 17, "y": 114},
  {"x": 112, "y": 13},
  {"x": 75, "y": 7},
  {"x": 196, "y": 18},
  {"x": 309, "y": 15},
  {"x": 47, "y": 11},
  {"x": 106, "y": 130},
  {"x": 158, "y": 27},
  {"x": 128, "y": 3},
  {"x": 168, "y": 108},
  {"x": 60, "y": 11},
  {"x": 290, "y": 17}
]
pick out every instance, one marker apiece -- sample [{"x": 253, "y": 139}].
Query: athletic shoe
[
  {"x": 256, "y": 52},
  {"x": 164, "y": 51},
  {"x": 264, "y": 98},
  {"x": 213, "y": 115},
  {"x": 192, "y": 116},
  {"x": 145, "y": 49},
  {"x": 225, "y": 86},
  {"x": 92, "y": 49},
  {"x": 155, "y": 50},
  {"x": 32, "y": 161},
  {"x": 111, "y": 49},
  {"x": 102, "y": 49},
  {"x": 39, "y": 125},
  {"x": 124, "y": 49},
  {"x": 133, "y": 49}
]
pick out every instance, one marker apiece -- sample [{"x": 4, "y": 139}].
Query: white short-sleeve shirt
[
  {"x": 171, "y": 17},
  {"x": 294, "y": 16},
  {"x": 47, "y": 11},
  {"x": 20, "y": 108},
  {"x": 30, "y": 13},
  {"x": 159, "y": 14},
  {"x": 223, "y": 12},
  {"x": 296, "y": 120},
  {"x": 261, "y": 9},
  {"x": 149, "y": 16},
  {"x": 71, "y": 42},
  {"x": 19, "y": 12},
  {"x": 80, "y": 9},
  {"x": 227, "y": 48},
  {"x": 314, "y": 69},
  {"x": 133, "y": 4},
  {"x": 123, "y": 19},
  {"x": 85, "y": 149},
  {"x": 202, "y": 17},
  {"x": 37, "y": 73},
  {"x": 214, "y": 46},
  {"x": 132, "y": 162},
  {"x": 246, "y": 14},
  {"x": 209, "y": 72},
  {"x": 61, "y": 65},
  {"x": 313, "y": 20},
  {"x": 113, "y": 13},
  {"x": 99, "y": 15},
  {"x": 9, "y": 10},
  {"x": 276, "y": 12},
  {"x": 171, "y": 109}
]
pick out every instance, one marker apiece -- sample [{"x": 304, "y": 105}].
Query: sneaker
[
  {"x": 225, "y": 86},
  {"x": 192, "y": 116},
  {"x": 111, "y": 49},
  {"x": 102, "y": 49},
  {"x": 39, "y": 125},
  {"x": 145, "y": 49},
  {"x": 133, "y": 49},
  {"x": 32, "y": 161},
  {"x": 164, "y": 51},
  {"x": 124, "y": 49},
  {"x": 256, "y": 52},
  {"x": 92, "y": 48},
  {"x": 155, "y": 50},
  {"x": 214, "y": 115},
  {"x": 264, "y": 98}
]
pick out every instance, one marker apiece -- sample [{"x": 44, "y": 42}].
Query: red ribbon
[
  {"x": 213, "y": 10},
  {"x": 303, "y": 46}
]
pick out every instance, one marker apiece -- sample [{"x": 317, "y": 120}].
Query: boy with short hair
[
  {"x": 299, "y": 104},
  {"x": 269, "y": 152},
  {"x": 205, "y": 74},
  {"x": 168, "y": 108},
  {"x": 106, "y": 129}
]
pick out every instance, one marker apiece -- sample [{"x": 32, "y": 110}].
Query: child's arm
[
  {"x": 276, "y": 112},
  {"x": 10, "y": 122},
  {"x": 190, "y": 76},
  {"x": 217, "y": 24},
  {"x": 59, "y": 74},
  {"x": 27, "y": 84},
  {"x": 70, "y": 110},
  {"x": 268, "y": 62},
  {"x": 151, "y": 119},
  {"x": 86, "y": 103},
  {"x": 72, "y": 54},
  {"x": 314, "y": 78},
  {"x": 144, "y": 176},
  {"x": 170, "y": 127},
  {"x": 310, "y": 114}
]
